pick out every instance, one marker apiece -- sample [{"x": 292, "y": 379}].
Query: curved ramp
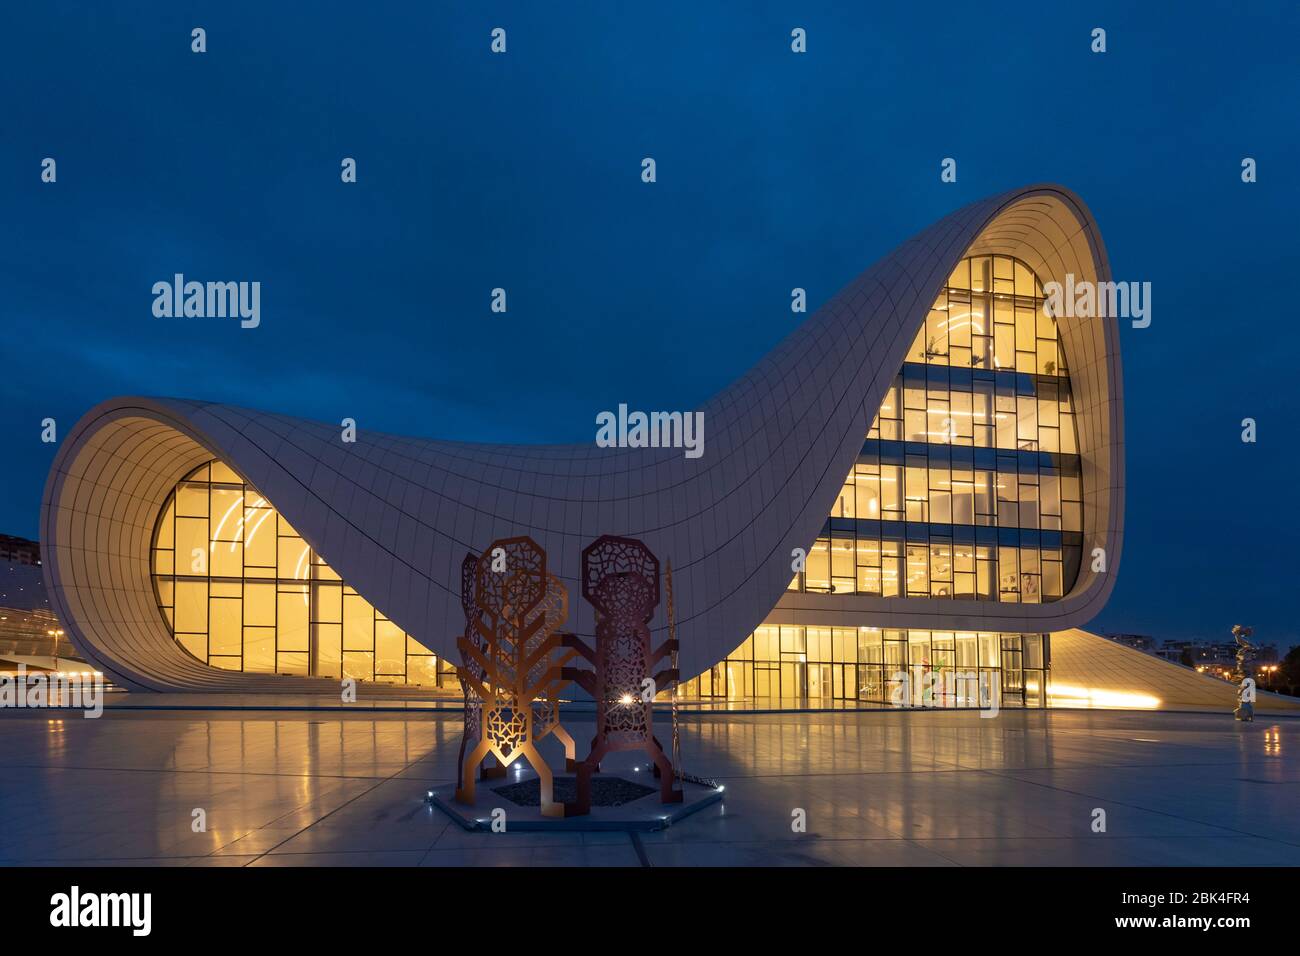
[{"x": 1090, "y": 671}]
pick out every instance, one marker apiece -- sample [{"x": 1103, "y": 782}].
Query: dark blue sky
[{"x": 522, "y": 171}]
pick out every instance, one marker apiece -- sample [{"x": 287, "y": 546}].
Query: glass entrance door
[
  {"x": 794, "y": 677},
  {"x": 820, "y": 681},
  {"x": 1013, "y": 674}
]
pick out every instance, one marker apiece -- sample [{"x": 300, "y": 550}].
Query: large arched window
[{"x": 240, "y": 589}]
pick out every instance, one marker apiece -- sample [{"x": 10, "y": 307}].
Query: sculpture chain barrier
[
  {"x": 620, "y": 579},
  {"x": 512, "y": 662}
]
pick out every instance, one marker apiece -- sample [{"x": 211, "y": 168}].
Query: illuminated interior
[
  {"x": 969, "y": 481},
  {"x": 968, "y": 486},
  {"x": 240, "y": 589},
  {"x": 826, "y": 664}
]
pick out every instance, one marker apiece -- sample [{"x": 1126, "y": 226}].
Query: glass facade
[
  {"x": 814, "y": 666},
  {"x": 240, "y": 589},
  {"x": 968, "y": 486}
]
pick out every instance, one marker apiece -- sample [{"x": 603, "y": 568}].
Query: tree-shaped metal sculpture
[
  {"x": 512, "y": 662},
  {"x": 547, "y": 673},
  {"x": 620, "y": 579},
  {"x": 470, "y": 668}
]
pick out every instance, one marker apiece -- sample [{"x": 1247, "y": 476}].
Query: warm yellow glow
[
  {"x": 245, "y": 615},
  {"x": 1066, "y": 696},
  {"x": 626, "y": 700},
  {"x": 216, "y": 535},
  {"x": 259, "y": 503}
]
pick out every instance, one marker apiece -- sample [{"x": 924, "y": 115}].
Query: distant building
[
  {"x": 1223, "y": 653},
  {"x": 29, "y": 631},
  {"x": 1198, "y": 652},
  {"x": 1215, "y": 658},
  {"x": 1139, "y": 642},
  {"x": 19, "y": 550}
]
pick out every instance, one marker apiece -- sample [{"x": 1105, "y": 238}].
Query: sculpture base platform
[{"x": 619, "y": 801}]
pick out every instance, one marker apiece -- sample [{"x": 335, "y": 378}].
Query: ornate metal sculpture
[
  {"x": 512, "y": 663},
  {"x": 471, "y": 674},
  {"x": 1245, "y": 709},
  {"x": 620, "y": 579},
  {"x": 1245, "y": 649}
]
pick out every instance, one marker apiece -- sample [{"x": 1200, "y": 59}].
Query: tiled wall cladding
[{"x": 394, "y": 516}]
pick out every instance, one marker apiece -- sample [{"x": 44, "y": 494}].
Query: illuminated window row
[
  {"x": 241, "y": 590},
  {"x": 968, "y": 485},
  {"x": 982, "y": 409},
  {"x": 809, "y": 664},
  {"x": 990, "y": 316},
  {"x": 929, "y": 489},
  {"x": 938, "y": 568}
]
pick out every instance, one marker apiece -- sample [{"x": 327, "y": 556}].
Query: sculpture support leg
[
  {"x": 665, "y": 766},
  {"x": 570, "y": 748},
  {"x": 581, "y": 804},
  {"x": 473, "y": 719},
  {"x": 545, "y": 781},
  {"x": 655, "y": 742},
  {"x": 465, "y": 792}
]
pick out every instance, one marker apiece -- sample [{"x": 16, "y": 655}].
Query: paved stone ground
[
  {"x": 878, "y": 789},
  {"x": 605, "y": 791}
]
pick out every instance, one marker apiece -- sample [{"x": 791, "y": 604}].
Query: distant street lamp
[{"x": 55, "y": 633}]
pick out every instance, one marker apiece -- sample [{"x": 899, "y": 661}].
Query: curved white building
[{"x": 948, "y": 456}]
